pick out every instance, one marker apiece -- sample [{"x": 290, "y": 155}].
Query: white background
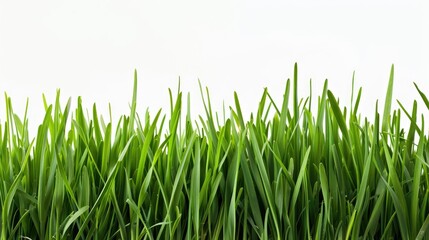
[{"x": 91, "y": 48}]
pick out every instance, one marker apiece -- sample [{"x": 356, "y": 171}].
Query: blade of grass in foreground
[
  {"x": 105, "y": 190},
  {"x": 388, "y": 101},
  {"x": 265, "y": 180},
  {"x": 338, "y": 116},
  {"x": 11, "y": 194}
]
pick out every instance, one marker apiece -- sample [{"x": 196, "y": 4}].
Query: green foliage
[{"x": 286, "y": 173}]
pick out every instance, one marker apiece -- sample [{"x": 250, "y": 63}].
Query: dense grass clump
[{"x": 286, "y": 173}]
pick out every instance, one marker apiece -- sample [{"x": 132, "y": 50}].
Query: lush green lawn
[{"x": 284, "y": 173}]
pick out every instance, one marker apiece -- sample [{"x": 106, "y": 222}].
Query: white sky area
[{"x": 91, "y": 48}]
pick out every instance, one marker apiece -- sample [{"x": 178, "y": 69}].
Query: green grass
[{"x": 285, "y": 173}]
